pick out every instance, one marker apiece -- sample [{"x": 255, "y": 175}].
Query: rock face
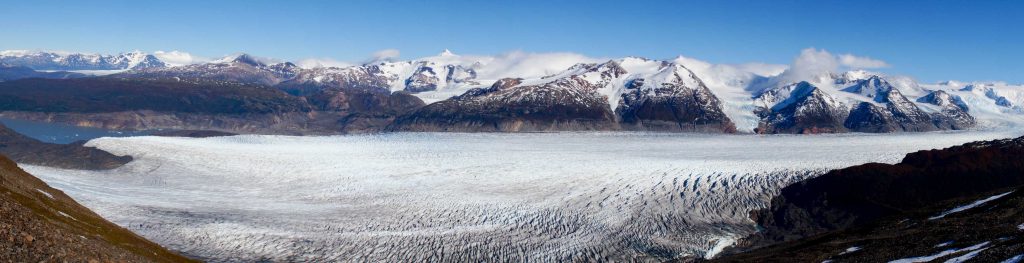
[
  {"x": 900, "y": 114},
  {"x": 806, "y": 110},
  {"x": 507, "y": 106},
  {"x": 23, "y": 149},
  {"x": 868, "y": 117},
  {"x": 424, "y": 79},
  {"x": 865, "y": 205},
  {"x": 42, "y": 224},
  {"x": 953, "y": 111},
  {"x": 676, "y": 101}
]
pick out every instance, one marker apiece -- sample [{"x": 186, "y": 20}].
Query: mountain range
[{"x": 450, "y": 92}]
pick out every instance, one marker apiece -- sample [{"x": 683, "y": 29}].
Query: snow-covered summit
[{"x": 68, "y": 61}]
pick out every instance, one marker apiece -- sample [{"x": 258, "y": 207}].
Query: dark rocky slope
[
  {"x": 671, "y": 99},
  {"x": 806, "y": 110},
  {"x": 889, "y": 211},
  {"x": 680, "y": 102},
  {"x": 8, "y": 72},
  {"x": 507, "y": 107},
  {"x": 27, "y": 150},
  {"x": 140, "y": 104},
  {"x": 42, "y": 224}
]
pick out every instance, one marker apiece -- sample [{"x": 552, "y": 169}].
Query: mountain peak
[
  {"x": 242, "y": 58},
  {"x": 447, "y": 53}
]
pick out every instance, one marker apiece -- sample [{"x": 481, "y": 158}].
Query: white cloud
[
  {"x": 812, "y": 63},
  {"x": 178, "y": 58},
  {"x": 763, "y": 69},
  {"x": 529, "y": 65},
  {"x": 321, "y": 63},
  {"x": 384, "y": 55},
  {"x": 861, "y": 62}
]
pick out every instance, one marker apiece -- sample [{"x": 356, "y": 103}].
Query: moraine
[{"x": 461, "y": 197}]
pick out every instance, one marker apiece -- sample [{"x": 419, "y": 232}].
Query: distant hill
[{"x": 27, "y": 150}]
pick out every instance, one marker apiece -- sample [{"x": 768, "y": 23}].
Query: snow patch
[
  {"x": 720, "y": 245},
  {"x": 45, "y": 193},
  {"x": 941, "y": 254},
  {"x": 969, "y": 206}
]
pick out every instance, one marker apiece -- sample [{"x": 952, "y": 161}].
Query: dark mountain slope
[
  {"x": 564, "y": 104},
  {"x": 92, "y": 95},
  {"x": 893, "y": 208},
  {"x": 8, "y": 73}
]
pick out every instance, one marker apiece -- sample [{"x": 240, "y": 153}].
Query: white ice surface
[{"x": 461, "y": 197}]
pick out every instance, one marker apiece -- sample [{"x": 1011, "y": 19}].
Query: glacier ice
[{"x": 461, "y": 197}]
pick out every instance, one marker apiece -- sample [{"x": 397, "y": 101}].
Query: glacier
[{"x": 573, "y": 196}]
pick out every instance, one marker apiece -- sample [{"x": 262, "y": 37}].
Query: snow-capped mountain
[
  {"x": 512, "y": 93},
  {"x": 240, "y": 68},
  {"x": 65, "y": 61},
  {"x": 862, "y": 101},
  {"x": 629, "y": 93}
]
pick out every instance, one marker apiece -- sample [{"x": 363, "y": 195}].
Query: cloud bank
[
  {"x": 178, "y": 58},
  {"x": 310, "y": 63},
  {"x": 861, "y": 62},
  {"x": 813, "y": 62}
]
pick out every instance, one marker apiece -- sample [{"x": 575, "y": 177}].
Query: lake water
[
  {"x": 63, "y": 133},
  {"x": 462, "y": 197}
]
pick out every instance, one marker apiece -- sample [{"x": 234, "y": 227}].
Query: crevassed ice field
[{"x": 449, "y": 196}]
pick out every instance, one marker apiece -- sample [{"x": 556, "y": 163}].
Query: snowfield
[{"x": 461, "y": 197}]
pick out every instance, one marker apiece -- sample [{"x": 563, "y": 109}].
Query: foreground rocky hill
[
  {"x": 42, "y": 224},
  {"x": 957, "y": 203}
]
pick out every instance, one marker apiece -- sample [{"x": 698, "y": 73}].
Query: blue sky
[{"x": 930, "y": 40}]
